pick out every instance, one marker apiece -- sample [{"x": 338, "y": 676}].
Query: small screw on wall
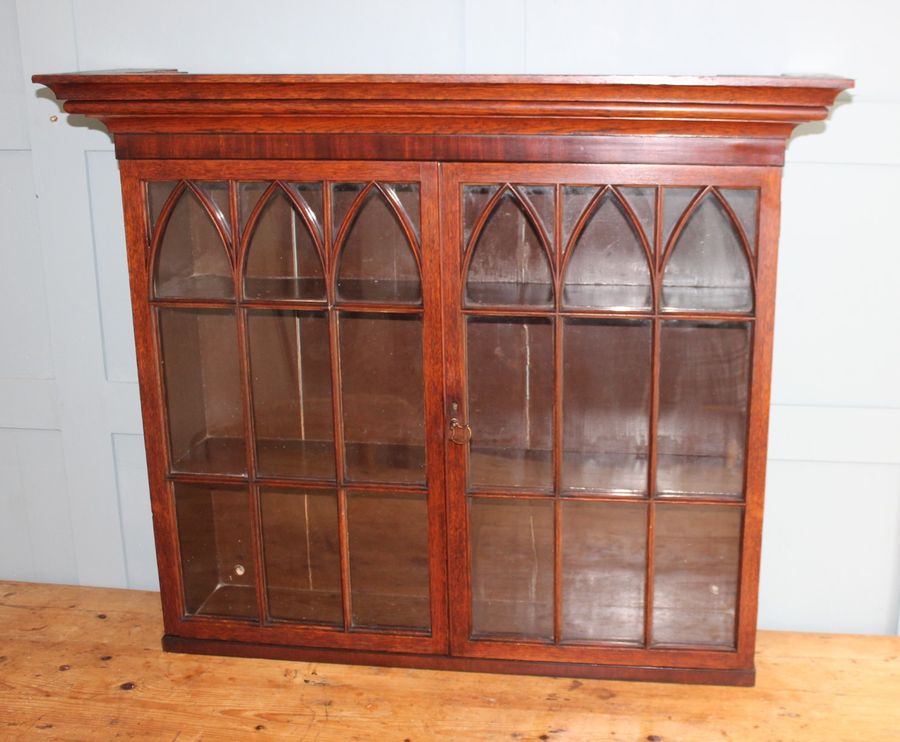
[{"x": 54, "y": 118}]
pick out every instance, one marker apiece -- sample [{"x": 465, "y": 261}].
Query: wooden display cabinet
[{"x": 456, "y": 372}]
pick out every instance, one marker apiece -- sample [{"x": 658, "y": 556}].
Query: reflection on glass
[
  {"x": 290, "y": 376},
  {"x": 302, "y": 555},
  {"x": 389, "y": 560},
  {"x": 604, "y": 562},
  {"x": 707, "y": 269},
  {"x": 383, "y": 397},
  {"x": 509, "y": 267},
  {"x": 606, "y": 405},
  {"x": 696, "y": 569},
  {"x": 512, "y": 567},
  {"x": 216, "y": 549},
  {"x": 377, "y": 262},
  {"x": 282, "y": 261},
  {"x": 703, "y": 391},
  {"x": 510, "y": 402},
  {"x": 192, "y": 262},
  {"x": 608, "y": 265},
  {"x": 203, "y": 391}
]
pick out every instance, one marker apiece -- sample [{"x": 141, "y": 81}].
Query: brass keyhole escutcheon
[{"x": 460, "y": 433}]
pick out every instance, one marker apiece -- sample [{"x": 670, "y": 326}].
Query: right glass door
[{"x": 599, "y": 415}]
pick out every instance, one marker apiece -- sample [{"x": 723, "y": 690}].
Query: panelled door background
[
  {"x": 605, "y": 475},
  {"x": 292, "y": 314}
]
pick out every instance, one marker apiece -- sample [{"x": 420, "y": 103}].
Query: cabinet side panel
[
  {"x": 136, "y": 230},
  {"x": 758, "y": 419}
]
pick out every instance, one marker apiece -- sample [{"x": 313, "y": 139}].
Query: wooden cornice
[{"x": 742, "y": 109}]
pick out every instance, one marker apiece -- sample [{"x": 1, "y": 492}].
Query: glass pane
[
  {"x": 608, "y": 268},
  {"x": 475, "y": 198},
  {"x": 192, "y": 262},
  {"x": 203, "y": 391},
  {"x": 389, "y": 560},
  {"x": 707, "y": 270},
  {"x": 342, "y": 197},
  {"x": 675, "y": 203},
  {"x": 293, "y": 411},
  {"x": 302, "y": 555},
  {"x": 512, "y": 567},
  {"x": 604, "y": 548},
  {"x": 249, "y": 194},
  {"x": 311, "y": 194},
  {"x": 282, "y": 261},
  {"x": 217, "y": 193},
  {"x": 509, "y": 267},
  {"x": 745, "y": 204},
  {"x": 383, "y": 397},
  {"x": 510, "y": 402},
  {"x": 703, "y": 390},
  {"x": 543, "y": 200},
  {"x": 217, "y": 565},
  {"x": 377, "y": 263},
  {"x": 606, "y": 405},
  {"x": 408, "y": 195},
  {"x": 643, "y": 203},
  {"x": 697, "y": 560},
  {"x": 575, "y": 201},
  {"x": 158, "y": 192}
]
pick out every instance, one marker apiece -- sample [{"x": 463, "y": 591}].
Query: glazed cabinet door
[
  {"x": 289, "y": 321},
  {"x": 603, "y": 338}
]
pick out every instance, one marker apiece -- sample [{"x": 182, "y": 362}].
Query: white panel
[
  {"x": 710, "y": 37},
  {"x": 122, "y": 408},
  {"x": 830, "y": 548},
  {"x": 13, "y": 121},
  {"x": 836, "y": 318},
  {"x": 29, "y": 403},
  {"x": 134, "y": 505},
  {"x": 112, "y": 266},
  {"x": 272, "y": 35},
  {"x": 16, "y": 551},
  {"x": 495, "y": 36},
  {"x": 34, "y": 505},
  {"x": 25, "y": 325},
  {"x": 856, "y": 132},
  {"x": 47, "y": 39},
  {"x": 845, "y": 434}
]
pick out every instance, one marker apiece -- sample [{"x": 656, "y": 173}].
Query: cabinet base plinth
[{"x": 700, "y": 676}]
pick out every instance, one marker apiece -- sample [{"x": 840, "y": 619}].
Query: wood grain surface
[{"x": 85, "y": 664}]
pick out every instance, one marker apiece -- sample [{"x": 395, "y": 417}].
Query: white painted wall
[{"x": 73, "y": 489}]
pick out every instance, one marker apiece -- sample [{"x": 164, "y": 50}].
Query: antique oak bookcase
[{"x": 457, "y": 371}]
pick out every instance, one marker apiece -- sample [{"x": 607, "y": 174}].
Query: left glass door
[{"x": 294, "y": 317}]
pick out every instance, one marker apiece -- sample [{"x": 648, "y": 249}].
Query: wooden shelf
[{"x": 286, "y": 458}]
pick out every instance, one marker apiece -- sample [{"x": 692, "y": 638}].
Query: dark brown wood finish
[{"x": 440, "y": 133}]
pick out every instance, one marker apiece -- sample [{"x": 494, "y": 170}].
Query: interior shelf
[
  {"x": 507, "y": 295},
  {"x": 605, "y": 473},
  {"x": 313, "y": 460},
  {"x": 284, "y": 289}
]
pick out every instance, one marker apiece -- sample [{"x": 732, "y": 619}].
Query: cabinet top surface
[{"x": 654, "y": 87}]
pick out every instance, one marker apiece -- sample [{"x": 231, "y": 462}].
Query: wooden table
[{"x": 85, "y": 664}]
